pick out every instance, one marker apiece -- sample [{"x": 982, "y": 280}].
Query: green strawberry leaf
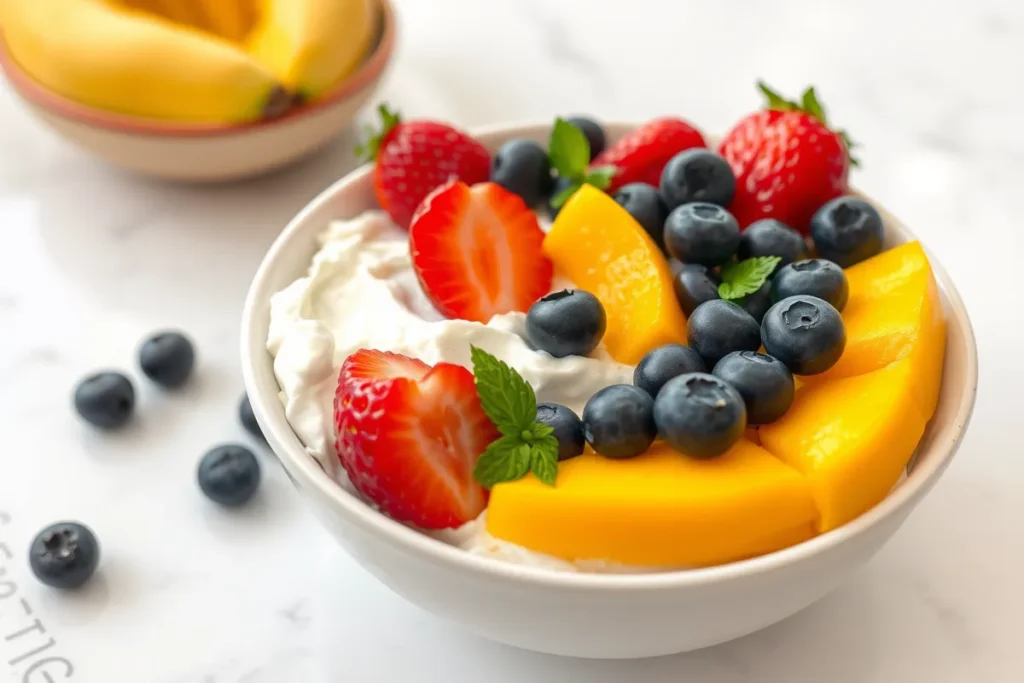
[
  {"x": 809, "y": 104},
  {"x": 746, "y": 277}
]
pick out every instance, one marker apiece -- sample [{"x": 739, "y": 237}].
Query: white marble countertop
[{"x": 93, "y": 259}]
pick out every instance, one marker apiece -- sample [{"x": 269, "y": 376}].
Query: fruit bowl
[
  {"x": 580, "y": 614},
  {"x": 197, "y": 152}
]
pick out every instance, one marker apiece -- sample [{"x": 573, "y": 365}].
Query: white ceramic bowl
[
  {"x": 209, "y": 152},
  {"x": 585, "y": 615}
]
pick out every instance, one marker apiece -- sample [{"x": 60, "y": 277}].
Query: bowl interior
[
  {"x": 371, "y": 69},
  {"x": 289, "y": 258}
]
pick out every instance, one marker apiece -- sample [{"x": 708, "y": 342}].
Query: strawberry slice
[
  {"x": 409, "y": 436},
  {"x": 477, "y": 251},
  {"x": 641, "y": 155}
]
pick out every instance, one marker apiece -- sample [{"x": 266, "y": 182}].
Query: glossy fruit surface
[
  {"x": 765, "y": 384},
  {"x": 701, "y": 233},
  {"x": 699, "y": 415},
  {"x": 804, "y": 332},
  {"x": 816, "y": 277},
  {"x": 662, "y": 364},
  {"x": 697, "y": 175},
  {"x": 847, "y": 230},
  {"x": 719, "y": 327},
  {"x": 618, "y": 421},
  {"x": 570, "y": 322}
]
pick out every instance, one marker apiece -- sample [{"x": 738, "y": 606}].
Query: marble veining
[{"x": 93, "y": 259}]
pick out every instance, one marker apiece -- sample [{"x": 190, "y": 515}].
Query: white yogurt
[{"x": 361, "y": 292}]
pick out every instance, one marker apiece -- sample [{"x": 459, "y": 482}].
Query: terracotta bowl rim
[{"x": 369, "y": 71}]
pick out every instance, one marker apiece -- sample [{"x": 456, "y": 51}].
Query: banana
[
  {"x": 312, "y": 44},
  {"x": 138, "y": 63}
]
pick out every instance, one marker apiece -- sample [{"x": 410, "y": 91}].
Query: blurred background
[{"x": 94, "y": 257}]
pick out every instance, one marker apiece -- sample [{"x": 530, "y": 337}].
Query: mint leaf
[
  {"x": 539, "y": 431},
  {"x": 505, "y": 396},
  {"x": 568, "y": 150},
  {"x": 544, "y": 459},
  {"x": 601, "y": 176},
  {"x": 505, "y": 459},
  {"x": 746, "y": 277}
]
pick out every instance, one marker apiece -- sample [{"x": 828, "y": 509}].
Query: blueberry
[
  {"x": 804, "y": 332},
  {"x": 697, "y": 175},
  {"x": 568, "y": 428},
  {"x": 719, "y": 327},
  {"x": 694, "y": 284},
  {"x": 663, "y": 363},
  {"x": 248, "y": 418},
  {"x": 105, "y": 399},
  {"x": 561, "y": 184},
  {"x": 816, "y": 277},
  {"x": 769, "y": 237},
  {"x": 701, "y": 233},
  {"x": 522, "y": 167},
  {"x": 229, "y": 474},
  {"x": 167, "y": 358},
  {"x": 618, "y": 421},
  {"x": 757, "y": 303},
  {"x": 847, "y": 230},
  {"x": 643, "y": 203},
  {"x": 699, "y": 415},
  {"x": 64, "y": 555},
  {"x": 566, "y": 323},
  {"x": 765, "y": 384},
  {"x": 592, "y": 130}
]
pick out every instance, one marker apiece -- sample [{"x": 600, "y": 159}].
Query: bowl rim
[
  {"x": 306, "y": 473},
  {"x": 371, "y": 68}
]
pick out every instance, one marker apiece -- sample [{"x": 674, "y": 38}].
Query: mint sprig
[
  {"x": 525, "y": 444},
  {"x": 746, "y": 277},
  {"x": 569, "y": 152}
]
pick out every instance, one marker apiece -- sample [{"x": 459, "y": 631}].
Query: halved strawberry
[
  {"x": 477, "y": 251},
  {"x": 409, "y": 436}
]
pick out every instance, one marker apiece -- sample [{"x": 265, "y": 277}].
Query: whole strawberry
[
  {"x": 413, "y": 158},
  {"x": 640, "y": 156},
  {"x": 786, "y": 160}
]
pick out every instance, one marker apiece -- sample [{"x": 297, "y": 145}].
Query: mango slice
[
  {"x": 894, "y": 312},
  {"x": 603, "y": 250},
  {"x": 660, "y": 509},
  {"x": 851, "y": 438}
]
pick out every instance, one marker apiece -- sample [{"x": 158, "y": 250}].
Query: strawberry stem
[
  {"x": 808, "y": 104},
  {"x": 389, "y": 119}
]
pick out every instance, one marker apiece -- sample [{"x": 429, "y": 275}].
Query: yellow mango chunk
[
  {"x": 603, "y": 250},
  {"x": 851, "y": 438},
  {"x": 660, "y": 509},
  {"x": 893, "y": 312}
]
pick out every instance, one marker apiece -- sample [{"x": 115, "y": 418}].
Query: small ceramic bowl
[
  {"x": 209, "y": 152},
  {"x": 586, "y": 615}
]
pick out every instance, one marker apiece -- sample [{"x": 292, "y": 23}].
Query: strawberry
[
  {"x": 409, "y": 436},
  {"x": 787, "y": 161},
  {"x": 643, "y": 153},
  {"x": 414, "y": 158},
  {"x": 477, "y": 251}
]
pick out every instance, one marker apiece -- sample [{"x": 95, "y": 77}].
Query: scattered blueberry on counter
[
  {"x": 567, "y": 426},
  {"x": 769, "y": 237},
  {"x": 662, "y": 364},
  {"x": 522, "y": 167},
  {"x": 167, "y": 358},
  {"x": 570, "y": 322},
  {"x": 701, "y": 233},
  {"x": 618, "y": 421},
  {"x": 694, "y": 284},
  {"x": 847, "y": 230},
  {"x": 719, "y": 327},
  {"x": 697, "y": 175},
  {"x": 592, "y": 131},
  {"x": 229, "y": 474},
  {"x": 644, "y": 203},
  {"x": 765, "y": 384},
  {"x": 815, "y": 277},
  {"x": 64, "y": 555},
  {"x": 804, "y": 332},
  {"x": 105, "y": 399},
  {"x": 248, "y": 418},
  {"x": 700, "y": 415}
]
